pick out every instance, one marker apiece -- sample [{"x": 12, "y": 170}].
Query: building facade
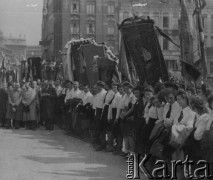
[
  {"x": 67, "y": 19},
  {"x": 34, "y": 51},
  {"x": 47, "y": 41},
  {"x": 18, "y": 47}
]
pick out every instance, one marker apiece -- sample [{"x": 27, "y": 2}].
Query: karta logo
[{"x": 162, "y": 170}]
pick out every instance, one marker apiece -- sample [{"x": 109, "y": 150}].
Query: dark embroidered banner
[{"x": 144, "y": 50}]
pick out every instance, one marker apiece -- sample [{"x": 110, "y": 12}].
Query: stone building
[
  {"x": 33, "y": 51},
  {"x": 18, "y": 47},
  {"x": 67, "y": 19}
]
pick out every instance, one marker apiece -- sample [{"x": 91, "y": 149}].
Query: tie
[
  {"x": 105, "y": 96},
  {"x": 169, "y": 111},
  {"x": 181, "y": 116}
]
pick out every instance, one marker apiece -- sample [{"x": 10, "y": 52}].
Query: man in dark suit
[{"x": 48, "y": 95}]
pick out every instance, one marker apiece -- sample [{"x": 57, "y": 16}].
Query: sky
[{"x": 22, "y": 17}]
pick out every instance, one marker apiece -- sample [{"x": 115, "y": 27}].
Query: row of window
[
  {"x": 75, "y": 29},
  {"x": 167, "y": 19},
  {"x": 91, "y": 7}
]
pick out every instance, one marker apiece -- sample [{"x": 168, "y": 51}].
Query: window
[
  {"x": 156, "y": 18},
  {"x": 171, "y": 64},
  {"x": 125, "y": 15},
  {"x": 145, "y": 14},
  {"x": 165, "y": 44},
  {"x": 166, "y": 20},
  {"x": 175, "y": 20},
  {"x": 211, "y": 67},
  {"x": 75, "y": 7},
  {"x": 90, "y": 29},
  {"x": 111, "y": 30},
  {"x": 91, "y": 8},
  {"x": 111, "y": 8},
  {"x": 137, "y": 14},
  {"x": 75, "y": 28}
]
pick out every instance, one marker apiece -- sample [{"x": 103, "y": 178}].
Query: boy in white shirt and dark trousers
[
  {"x": 113, "y": 104},
  {"x": 98, "y": 105},
  {"x": 109, "y": 96}
]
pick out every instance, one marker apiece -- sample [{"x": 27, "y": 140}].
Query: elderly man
[
  {"x": 30, "y": 113},
  {"x": 3, "y": 104},
  {"x": 48, "y": 95},
  {"x": 14, "y": 111}
]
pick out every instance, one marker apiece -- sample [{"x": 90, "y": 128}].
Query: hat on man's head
[
  {"x": 128, "y": 84},
  {"x": 68, "y": 82},
  {"x": 101, "y": 84}
]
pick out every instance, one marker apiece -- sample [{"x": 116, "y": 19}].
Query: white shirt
[
  {"x": 87, "y": 98},
  {"x": 58, "y": 90},
  {"x": 181, "y": 130},
  {"x": 120, "y": 106},
  {"x": 115, "y": 101},
  {"x": 93, "y": 101},
  {"x": 114, "y": 104},
  {"x": 129, "y": 99},
  {"x": 99, "y": 99},
  {"x": 108, "y": 97},
  {"x": 63, "y": 91},
  {"x": 68, "y": 95},
  {"x": 76, "y": 94},
  {"x": 201, "y": 126},
  {"x": 155, "y": 113},
  {"x": 188, "y": 119},
  {"x": 146, "y": 111},
  {"x": 176, "y": 110}
]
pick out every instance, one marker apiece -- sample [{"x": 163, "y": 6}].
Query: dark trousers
[
  {"x": 112, "y": 129},
  {"x": 49, "y": 124},
  {"x": 16, "y": 124},
  {"x": 98, "y": 125},
  {"x": 31, "y": 124},
  {"x": 8, "y": 123}
]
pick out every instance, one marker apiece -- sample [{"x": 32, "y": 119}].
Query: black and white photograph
[{"x": 106, "y": 89}]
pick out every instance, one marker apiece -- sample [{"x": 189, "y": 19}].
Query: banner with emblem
[{"x": 142, "y": 45}]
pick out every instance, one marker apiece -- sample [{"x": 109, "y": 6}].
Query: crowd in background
[{"x": 167, "y": 121}]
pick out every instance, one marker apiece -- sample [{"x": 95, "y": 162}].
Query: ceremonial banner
[
  {"x": 34, "y": 68},
  {"x": 141, "y": 43}
]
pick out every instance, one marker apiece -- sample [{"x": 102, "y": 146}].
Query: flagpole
[
  {"x": 202, "y": 38},
  {"x": 133, "y": 12}
]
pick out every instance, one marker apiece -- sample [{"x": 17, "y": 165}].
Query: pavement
[{"x": 45, "y": 155}]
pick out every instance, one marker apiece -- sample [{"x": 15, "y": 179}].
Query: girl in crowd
[{"x": 127, "y": 119}]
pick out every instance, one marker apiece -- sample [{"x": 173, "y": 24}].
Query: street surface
[{"x": 44, "y": 155}]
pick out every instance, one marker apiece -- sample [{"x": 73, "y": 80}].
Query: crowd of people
[{"x": 167, "y": 121}]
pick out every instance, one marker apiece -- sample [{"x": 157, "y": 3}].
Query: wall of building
[{"x": 99, "y": 18}]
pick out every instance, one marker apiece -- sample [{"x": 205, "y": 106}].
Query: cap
[{"x": 100, "y": 83}]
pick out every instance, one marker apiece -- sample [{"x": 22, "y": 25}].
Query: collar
[{"x": 186, "y": 109}]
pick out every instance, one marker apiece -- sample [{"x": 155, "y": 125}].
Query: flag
[
  {"x": 143, "y": 50},
  {"x": 186, "y": 38},
  {"x": 190, "y": 72},
  {"x": 199, "y": 6}
]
